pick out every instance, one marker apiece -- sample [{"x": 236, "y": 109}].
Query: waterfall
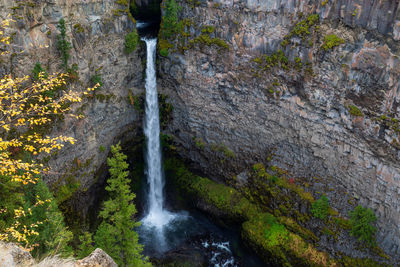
[{"x": 157, "y": 216}]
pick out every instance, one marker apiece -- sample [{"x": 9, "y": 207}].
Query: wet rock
[{"x": 184, "y": 256}]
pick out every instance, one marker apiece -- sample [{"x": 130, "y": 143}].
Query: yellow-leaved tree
[{"x": 27, "y": 109}]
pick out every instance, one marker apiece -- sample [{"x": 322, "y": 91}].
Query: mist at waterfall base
[{"x": 163, "y": 232}]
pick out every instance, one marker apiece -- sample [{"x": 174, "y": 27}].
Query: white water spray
[{"x": 157, "y": 216}]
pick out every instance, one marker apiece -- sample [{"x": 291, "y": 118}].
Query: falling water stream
[
  {"x": 157, "y": 216},
  {"x": 162, "y": 230}
]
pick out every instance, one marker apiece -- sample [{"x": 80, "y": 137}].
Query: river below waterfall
[{"x": 198, "y": 242}]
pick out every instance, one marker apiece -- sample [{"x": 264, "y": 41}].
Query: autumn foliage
[{"x": 26, "y": 111}]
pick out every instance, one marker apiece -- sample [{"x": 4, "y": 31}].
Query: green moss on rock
[
  {"x": 205, "y": 39},
  {"x": 331, "y": 41},
  {"x": 355, "y": 111},
  {"x": 266, "y": 234}
]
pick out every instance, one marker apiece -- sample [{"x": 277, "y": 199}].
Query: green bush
[
  {"x": 302, "y": 28},
  {"x": 319, "y": 208},
  {"x": 331, "y": 41},
  {"x": 205, "y": 39},
  {"x": 361, "y": 222},
  {"x": 131, "y": 41},
  {"x": 78, "y": 28},
  {"x": 164, "y": 52},
  {"x": 355, "y": 111},
  {"x": 208, "y": 29}
]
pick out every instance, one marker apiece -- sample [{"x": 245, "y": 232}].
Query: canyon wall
[
  {"x": 97, "y": 30},
  {"x": 333, "y": 119}
]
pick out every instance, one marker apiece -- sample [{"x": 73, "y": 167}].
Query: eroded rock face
[
  {"x": 223, "y": 102},
  {"x": 97, "y": 30}
]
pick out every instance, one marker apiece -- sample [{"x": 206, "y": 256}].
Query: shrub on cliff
[
  {"x": 131, "y": 41},
  {"x": 115, "y": 234},
  {"x": 319, "y": 208},
  {"x": 164, "y": 52},
  {"x": 362, "y": 224},
  {"x": 331, "y": 41}
]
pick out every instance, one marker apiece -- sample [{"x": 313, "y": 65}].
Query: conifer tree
[
  {"x": 62, "y": 44},
  {"x": 116, "y": 234},
  {"x": 53, "y": 236},
  {"x": 362, "y": 222}
]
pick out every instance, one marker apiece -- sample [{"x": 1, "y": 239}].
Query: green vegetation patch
[
  {"x": 331, "y": 41},
  {"x": 205, "y": 39},
  {"x": 165, "y": 110},
  {"x": 303, "y": 28},
  {"x": 261, "y": 230},
  {"x": 175, "y": 33},
  {"x": 273, "y": 241},
  {"x": 131, "y": 41},
  {"x": 269, "y": 61},
  {"x": 79, "y": 28},
  {"x": 362, "y": 225},
  {"x": 226, "y": 199},
  {"x": 355, "y": 111},
  {"x": 320, "y": 208},
  {"x": 222, "y": 148}
]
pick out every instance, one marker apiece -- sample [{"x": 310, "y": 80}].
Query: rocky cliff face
[
  {"x": 96, "y": 29},
  {"x": 322, "y": 109}
]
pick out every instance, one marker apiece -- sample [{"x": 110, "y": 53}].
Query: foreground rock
[
  {"x": 12, "y": 255},
  {"x": 97, "y": 258}
]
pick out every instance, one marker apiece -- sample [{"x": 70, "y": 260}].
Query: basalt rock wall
[{"x": 334, "y": 116}]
